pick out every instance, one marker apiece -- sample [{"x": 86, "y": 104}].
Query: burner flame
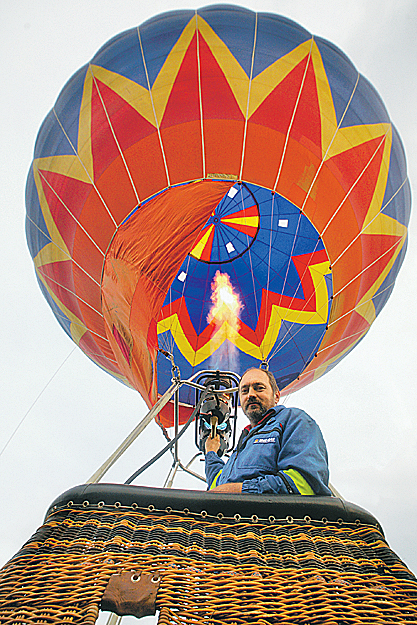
[
  {"x": 224, "y": 317},
  {"x": 226, "y": 303}
]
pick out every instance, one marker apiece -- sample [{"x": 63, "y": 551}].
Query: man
[{"x": 281, "y": 450}]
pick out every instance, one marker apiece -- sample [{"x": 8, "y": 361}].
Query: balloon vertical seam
[
  {"x": 359, "y": 305},
  {"x": 153, "y": 108},
  {"x": 283, "y": 156},
  {"x": 200, "y": 98},
  {"x": 293, "y": 116},
  {"x": 283, "y": 116},
  {"x": 48, "y": 236},
  {"x": 77, "y": 297},
  {"x": 400, "y": 241},
  {"x": 84, "y": 168},
  {"x": 356, "y": 181},
  {"x": 251, "y": 268},
  {"x": 249, "y": 92},
  {"x": 70, "y": 213},
  {"x": 180, "y": 306},
  {"x": 381, "y": 212},
  {"x": 309, "y": 192},
  {"x": 291, "y": 324},
  {"x": 122, "y": 156},
  {"x": 323, "y": 160}
]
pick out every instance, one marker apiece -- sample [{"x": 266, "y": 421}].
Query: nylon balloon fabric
[{"x": 224, "y": 186}]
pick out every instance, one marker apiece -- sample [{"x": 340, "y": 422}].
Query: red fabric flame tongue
[{"x": 141, "y": 263}]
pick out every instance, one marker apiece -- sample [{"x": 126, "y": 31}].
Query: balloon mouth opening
[
  {"x": 161, "y": 273},
  {"x": 248, "y": 320}
]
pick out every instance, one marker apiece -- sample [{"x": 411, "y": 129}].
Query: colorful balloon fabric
[{"x": 225, "y": 187}]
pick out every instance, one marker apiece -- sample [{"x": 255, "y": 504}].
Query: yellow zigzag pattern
[
  {"x": 151, "y": 104},
  {"x": 228, "y": 332}
]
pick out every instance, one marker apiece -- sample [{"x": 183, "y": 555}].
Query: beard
[{"x": 255, "y": 412}]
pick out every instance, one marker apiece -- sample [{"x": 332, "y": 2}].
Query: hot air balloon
[
  {"x": 217, "y": 156},
  {"x": 216, "y": 189}
]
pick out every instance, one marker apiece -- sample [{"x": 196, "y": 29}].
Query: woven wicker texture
[{"x": 213, "y": 571}]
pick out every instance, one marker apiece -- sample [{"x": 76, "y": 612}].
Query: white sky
[{"x": 365, "y": 406}]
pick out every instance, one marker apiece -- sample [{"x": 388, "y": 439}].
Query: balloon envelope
[{"x": 224, "y": 186}]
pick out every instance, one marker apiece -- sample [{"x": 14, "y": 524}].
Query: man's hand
[
  {"x": 232, "y": 487},
  {"x": 212, "y": 444}
]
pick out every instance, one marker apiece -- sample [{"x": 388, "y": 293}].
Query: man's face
[{"x": 256, "y": 395}]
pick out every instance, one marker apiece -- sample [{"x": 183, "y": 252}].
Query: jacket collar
[{"x": 251, "y": 428}]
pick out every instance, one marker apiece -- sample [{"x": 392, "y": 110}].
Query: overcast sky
[{"x": 365, "y": 406}]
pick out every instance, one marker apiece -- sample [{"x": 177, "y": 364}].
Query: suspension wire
[
  {"x": 291, "y": 324},
  {"x": 163, "y": 429},
  {"x": 379, "y": 213},
  {"x": 181, "y": 466},
  {"x": 354, "y": 184},
  {"x": 333, "y": 345},
  {"x": 345, "y": 286},
  {"x": 81, "y": 325},
  {"x": 400, "y": 241},
  {"x": 162, "y": 401},
  {"x": 269, "y": 263},
  {"x": 36, "y": 400},
  {"x": 358, "y": 334},
  {"x": 324, "y": 157},
  {"x": 172, "y": 442},
  {"x": 397, "y": 243},
  {"x": 370, "y": 299},
  {"x": 84, "y": 326},
  {"x": 200, "y": 322}
]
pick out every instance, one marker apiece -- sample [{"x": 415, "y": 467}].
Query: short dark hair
[{"x": 269, "y": 374}]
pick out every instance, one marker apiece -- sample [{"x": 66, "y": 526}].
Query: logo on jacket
[{"x": 270, "y": 439}]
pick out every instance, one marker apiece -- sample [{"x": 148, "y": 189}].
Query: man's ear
[{"x": 277, "y": 396}]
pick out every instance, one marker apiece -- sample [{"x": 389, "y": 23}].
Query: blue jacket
[{"x": 284, "y": 454}]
